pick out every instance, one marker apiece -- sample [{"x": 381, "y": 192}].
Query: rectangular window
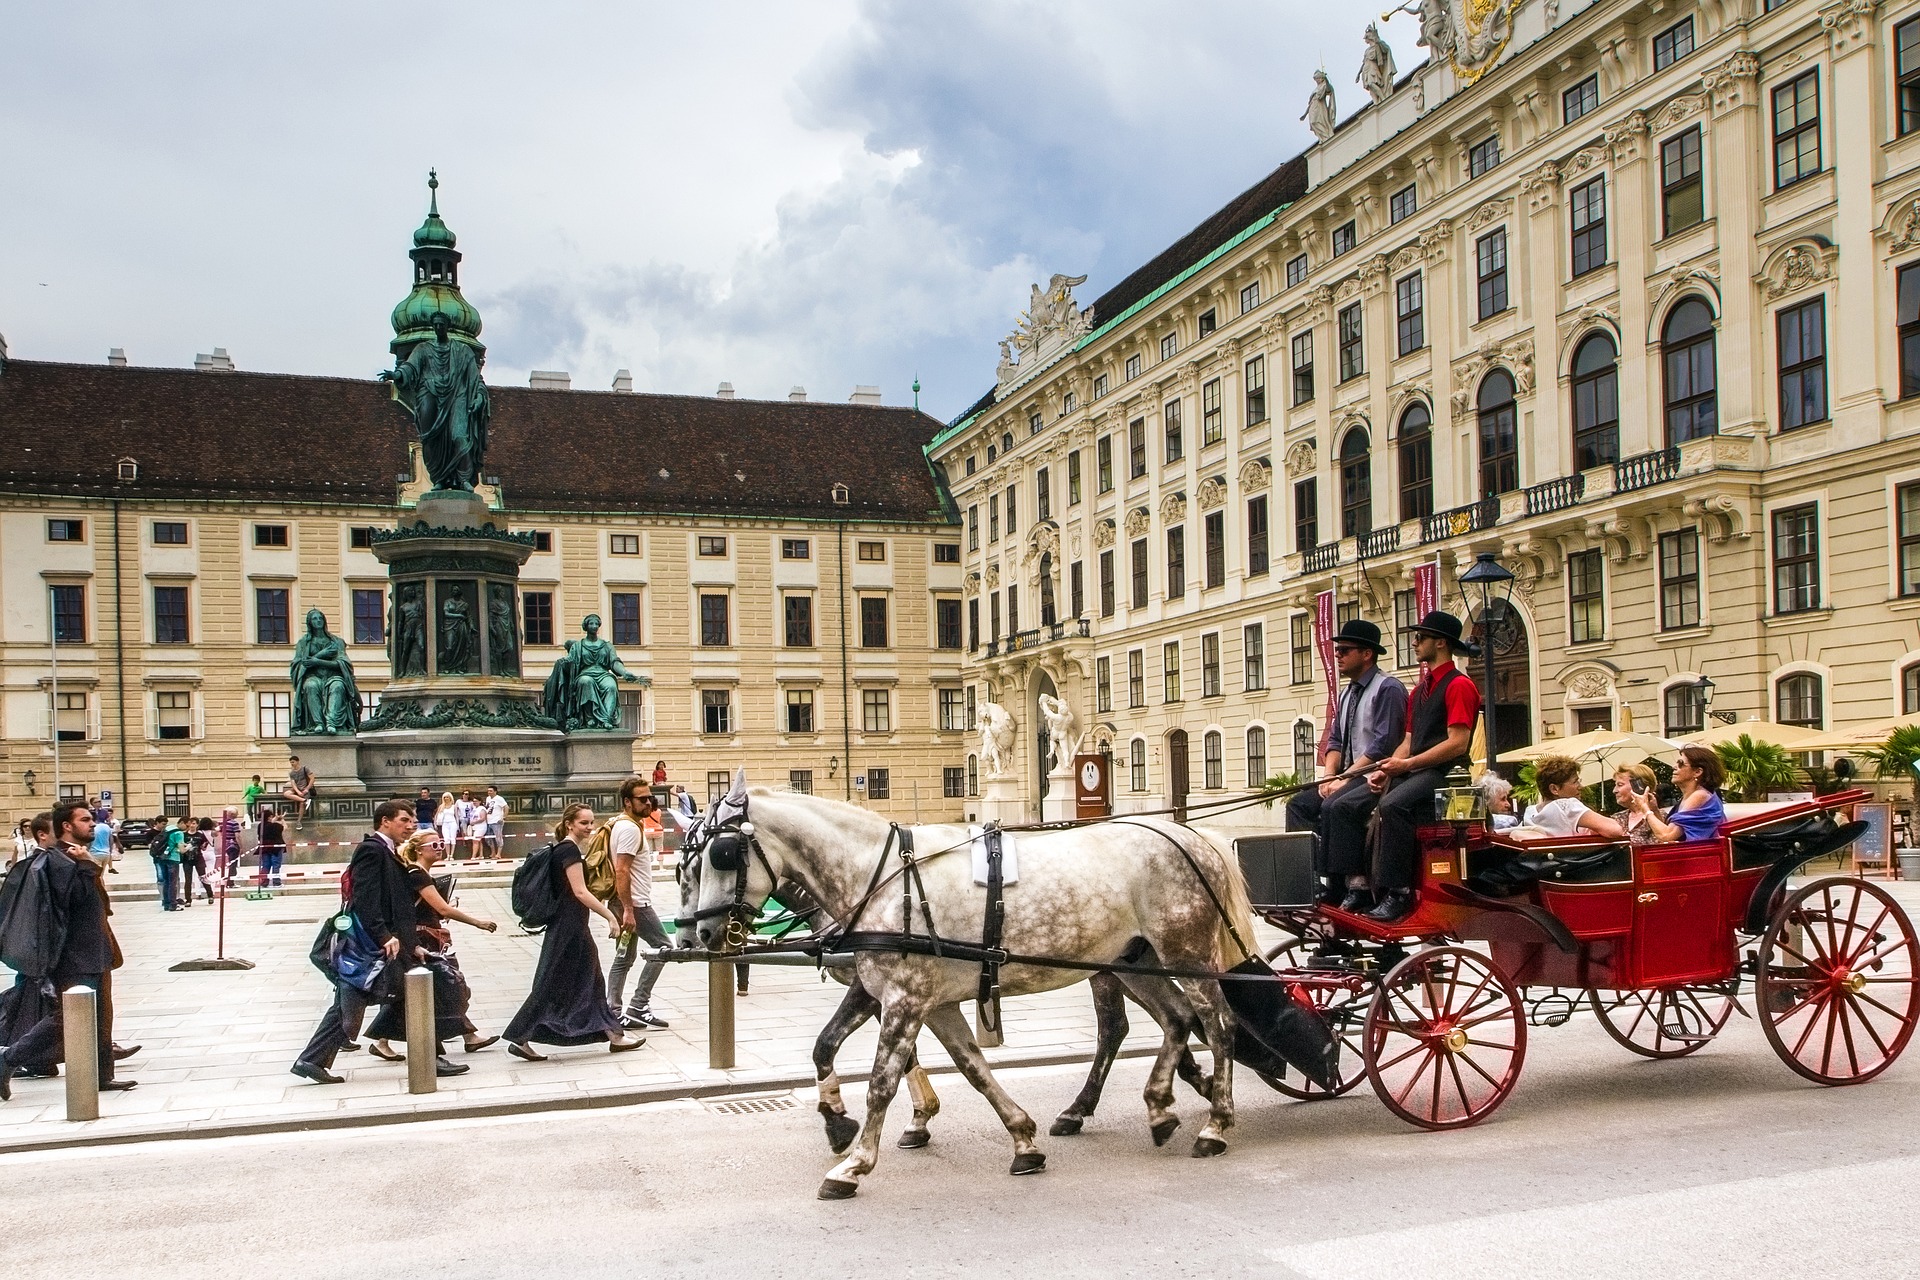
[
  {"x": 1175, "y": 440},
  {"x": 1682, "y": 193},
  {"x": 1139, "y": 575},
  {"x": 1679, "y": 579},
  {"x": 946, "y": 553},
  {"x": 1034, "y": 423},
  {"x": 1296, "y": 269},
  {"x": 1907, "y": 505},
  {"x": 1300, "y": 649},
  {"x": 1586, "y": 622},
  {"x": 360, "y": 537},
  {"x": 1103, "y": 684},
  {"x": 973, "y": 623},
  {"x": 270, "y": 535},
  {"x": 1256, "y": 384},
  {"x": 1673, "y": 44},
  {"x": 993, "y": 615},
  {"x": 876, "y": 710},
  {"x": 1257, "y": 536},
  {"x": 1169, "y": 345},
  {"x": 993, "y": 517},
  {"x": 946, "y": 624},
  {"x": 175, "y": 718},
  {"x": 973, "y": 527},
  {"x": 1256, "y": 758},
  {"x": 1802, "y": 332},
  {"x": 1907, "y": 287},
  {"x": 797, "y": 613},
  {"x": 1137, "y": 765},
  {"x": 712, "y": 545},
  {"x": 1073, "y": 478},
  {"x": 873, "y": 553},
  {"x": 1490, "y": 268},
  {"x": 1685, "y": 709},
  {"x": 879, "y": 784},
  {"x": 1013, "y": 509},
  {"x": 1410, "y": 318},
  {"x": 1107, "y": 586},
  {"x": 953, "y": 711},
  {"x": 623, "y": 544},
  {"x": 718, "y": 783},
  {"x": 1133, "y": 367},
  {"x": 69, "y": 614},
  {"x": 873, "y": 622},
  {"x": 71, "y": 723},
  {"x": 176, "y": 799},
  {"x": 800, "y": 781},
  {"x": 1302, "y": 367},
  {"x": 1906, "y": 67},
  {"x": 1209, "y": 321},
  {"x": 1482, "y": 156},
  {"x": 543, "y": 541},
  {"x": 1013, "y": 610},
  {"x": 1176, "y": 562},
  {"x": 1353, "y": 359},
  {"x": 1796, "y": 130},
  {"x": 170, "y": 616},
  {"x": 1103, "y": 464},
  {"x": 714, "y": 629},
  {"x": 716, "y": 711},
  {"x": 66, "y": 531},
  {"x": 369, "y": 616},
  {"x": 1215, "y": 527},
  {"x": 1403, "y": 204},
  {"x": 1099, "y": 385},
  {"x": 1580, "y": 99},
  {"x": 169, "y": 533},
  {"x": 1405, "y": 619},
  {"x": 1136, "y": 448},
  {"x": 1344, "y": 239},
  {"x": 275, "y": 709},
  {"x": 1253, "y": 651},
  {"x": 1136, "y": 677},
  {"x": 1170, "y": 671},
  {"x": 1306, "y": 514},
  {"x": 1249, "y": 297},
  {"x": 624, "y": 609},
  {"x": 1211, "y": 430},
  {"x": 800, "y": 548},
  {"x": 1588, "y": 203},
  {"x": 1077, "y": 588},
  {"x": 1796, "y": 559},
  {"x": 1043, "y": 494},
  {"x": 953, "y": 782},
  {"x": 270, "y": 616},
  {"x": 536, "y": 616},
  {"x": 1210, "y": 665}
]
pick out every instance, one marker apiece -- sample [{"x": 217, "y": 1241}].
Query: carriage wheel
[
  {"x": 1838, "y": 981},
  {"x": 1343, "y": 1011},
  {"x": 1663, "y": 1024},
  {"x": 1445, "y": 1038}
]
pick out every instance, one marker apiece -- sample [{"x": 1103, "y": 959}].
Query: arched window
[
  {"x": 1356, "y": 485},
  {"x": 1799, "y": 699},
  {"x": 1910, "y": 690},
  {"x": 1499, "y": 442},
  {"x": 1686, "y": 709},
  {"x": 1416, "y": 462},
  {"x": 1686, "y": 347},
  {"x": 1304, "y": 761},
  {"x": 1257, "y": 755},
  {"x": 1596, "y": 403},
  {"x": 1006, "y": 442},
  {"x": 1137, "y": 764},
  {"x": 1213, "y": 751}
]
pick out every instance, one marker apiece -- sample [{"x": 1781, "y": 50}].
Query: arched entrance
[
  {"x": 1041, "y": 685},
  {"x": 1512, "y": 699},
  {"x": 1177, "y": 774}
]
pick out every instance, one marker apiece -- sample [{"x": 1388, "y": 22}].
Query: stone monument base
[
  {"x": 1059, "y": 805},
  {"x": 1000, "y": 802}
]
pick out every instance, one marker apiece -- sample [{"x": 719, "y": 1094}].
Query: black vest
[{"x": 1427, "y": 717}]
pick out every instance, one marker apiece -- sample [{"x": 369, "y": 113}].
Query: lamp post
[
  {"x": 1705, "y": 687},
  {"x": 1490, "y": 584}
]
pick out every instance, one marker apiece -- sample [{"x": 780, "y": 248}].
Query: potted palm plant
[{"x": 1755, "y": 768}]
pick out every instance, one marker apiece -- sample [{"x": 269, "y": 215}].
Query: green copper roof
[
  {"x": 433, "y": 232},
  {"x": 436, "y": 285}
]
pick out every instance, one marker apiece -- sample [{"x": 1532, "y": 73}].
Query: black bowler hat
[
  {"x": 1447, "y": 627},
  {"x": 1361, "y": 632}
]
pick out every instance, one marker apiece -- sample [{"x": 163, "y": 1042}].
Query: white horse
[{"x": 1086, "y": 895}]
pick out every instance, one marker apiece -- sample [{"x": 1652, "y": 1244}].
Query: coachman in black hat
[{"x": 1370, "y": 721}]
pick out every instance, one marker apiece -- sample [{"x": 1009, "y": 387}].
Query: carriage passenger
[
  {"x": 1699, "y": 814},
  {"x": 1627, "y": 780},
  {"x": 1561, "y": 811}
]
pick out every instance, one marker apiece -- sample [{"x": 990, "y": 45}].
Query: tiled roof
[{"x": 63, "y": 427}]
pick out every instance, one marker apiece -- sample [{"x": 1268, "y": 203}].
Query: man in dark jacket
[
  {"x": 85, "y": 956},
  {"x": 382, "y": 902}
]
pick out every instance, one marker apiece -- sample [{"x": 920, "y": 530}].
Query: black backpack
[{"x": 534, "y": 901}]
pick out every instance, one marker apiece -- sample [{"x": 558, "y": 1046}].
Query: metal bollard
[
  {"x": 80, "y": 1019},
  {"x": 423, "y": 1046},
  {"x": 720, "y": 1015}
]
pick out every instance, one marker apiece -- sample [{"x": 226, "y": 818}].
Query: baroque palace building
[
  {"x": 1625, "y": 292},
  {"x": 786, "y": 574}
]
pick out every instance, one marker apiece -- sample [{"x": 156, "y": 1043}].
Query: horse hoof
[
  {"x": 835, "y": 1189},
  {"x": 1028, "y": 1162},
  {"x": 1067, "y": 1126},
  {"x": 1164, "y": 1130},
  {"x": 1204, "y": 1147},
  {"x": 914, "y": 1139},
  {"x": 841, "y": 1131}
]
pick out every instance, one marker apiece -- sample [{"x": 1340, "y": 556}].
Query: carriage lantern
[{"x": 1459, "y": 801}]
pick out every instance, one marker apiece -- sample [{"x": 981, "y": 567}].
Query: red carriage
[{"x": 1658, "y": 940}]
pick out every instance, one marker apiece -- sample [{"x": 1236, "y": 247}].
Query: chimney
[
  {"x": 725, "y": 392},
  {"x": 218, "y": 362},
  {"x": 797, "y": 395},
  {"x": 550, "y": 380},
  {"x": 623, "y": 381},
  {"x": 864, "y": 395},
  {"x": 117, "y": 357}
]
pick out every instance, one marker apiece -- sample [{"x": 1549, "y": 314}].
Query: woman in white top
[
  {"x": 446, "y": 820},
  {"x": 1561, "y": 811}
]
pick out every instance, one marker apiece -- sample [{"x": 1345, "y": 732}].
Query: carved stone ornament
[
  {"x": 1211, "y": 493},
  {"x": 1173, "y": 508},
  {"x": 1051, "y": 322},
  {"x": 1731, "y": 83},
  {"x": 1590, "y": 685},
  {"x": 1679, "y": 109},
  {"x": 1541, "y": 185},
  {"x": 1586, "y": 160},
  {"x": 1103, "y": 534},
  {"x": 1627, "y": 138},
  {"x": 1256, "y": 475},
  {"x": 1849, "y": 23},
  {"x": 1043, "y": 540},
  {"x": 1903, "y": 225},
  {"x": 973, "y": 584},
  {"x": 1797, "y": 266},
  {"x": 1469, "y": 34},
  {"x": 993, "y": 576},
  {"x": 409, "y": 713},
  {"x": 1139, "y": 520},
  {"x": 1515, "y": 355},
  {"x": 1489, "y": 213},
  {"x": 1302, "y": 460},
  {"x": 1435, "y": 240}
]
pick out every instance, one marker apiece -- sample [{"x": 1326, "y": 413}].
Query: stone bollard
[
  {"x": 720, "y": 1015},
  {"x": 80, "y": 1019},
  {"x": 423, "y": 1046}
]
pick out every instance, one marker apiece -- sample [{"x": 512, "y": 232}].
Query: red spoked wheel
[
  {"x": 1663, "y": 1024},
  {"x": 1445, "y": 1038},
  {"x": 1344, "y": 1011},
  {"x": 1838, "y": 981}
]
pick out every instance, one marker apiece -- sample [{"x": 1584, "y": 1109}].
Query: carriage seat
[{"x": 1514, "y": 861}]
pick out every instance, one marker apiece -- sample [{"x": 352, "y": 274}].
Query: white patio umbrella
[{"x": 1790, "y": 736}]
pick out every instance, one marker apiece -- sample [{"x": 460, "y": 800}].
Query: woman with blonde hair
[
  {"x": 446, "y": 820},
  {"x": 1629, "y": 781},
  {"x": 451, "y": 994},
  {"x": 568, "y": 1003}
]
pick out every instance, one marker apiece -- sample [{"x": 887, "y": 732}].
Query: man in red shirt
[{"x": 1441, "y": 712}]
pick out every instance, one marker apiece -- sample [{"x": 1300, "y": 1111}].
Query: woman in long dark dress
[
  {"x": 568, "y": 1003},
  {"x": 451, "y": 995}
]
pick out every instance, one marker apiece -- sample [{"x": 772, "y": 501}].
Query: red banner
[
  {"x": 1323, "y": 628},
  {"x": 1426, "y": 588}
]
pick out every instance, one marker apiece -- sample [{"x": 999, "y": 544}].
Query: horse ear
[{"x": 739, "y": 792}]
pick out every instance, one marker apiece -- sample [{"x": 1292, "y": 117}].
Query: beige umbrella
[
  {"x": 1599, "y": 751},
  {"x": 1626, "y": 718},
  {"x": 1790, "y": 736},
  {"x": 1871, "y": 734}
]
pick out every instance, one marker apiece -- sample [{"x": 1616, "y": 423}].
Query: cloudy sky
[{"x": 770, "y": 192}]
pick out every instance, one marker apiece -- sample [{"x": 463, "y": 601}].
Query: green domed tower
[{"x": 436, "y": 287}]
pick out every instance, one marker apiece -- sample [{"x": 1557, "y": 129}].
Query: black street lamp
[
  {"x": 1489, "y": 584},
  {"x": 1704, "y": 686}
]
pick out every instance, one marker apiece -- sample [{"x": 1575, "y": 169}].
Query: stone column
[
  {"x": 1738, "y": 135},
  {"x": 1854, "y": 132}
]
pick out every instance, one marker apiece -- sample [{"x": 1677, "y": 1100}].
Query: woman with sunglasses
[
  {"x": 451, "y": 994},
  {"x": 1700, "y": 812}
]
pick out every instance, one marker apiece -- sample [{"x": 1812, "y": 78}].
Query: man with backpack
[{"x": 625, "y": 840}]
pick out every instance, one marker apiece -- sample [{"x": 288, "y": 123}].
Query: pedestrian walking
[
  {"x": 85, "y": 955},
  {"x": 105, "y": 848},
  {"x": 200, "y": 844},
  {"x": 568, "y": 1002},
  {"x": 159, "y": 842},
  {"x": 633, "y": 882},
  {"x": 375, "y": 892},
  {"x": 271, "y": 849},
  {"x": 446, "y": 820},
  {"x": 229, "y": 844},
  {"x": 23, "y": 841},
  {"x": 424, "y": 807},
  {"x": 179, "y": 853},
  {"x": 451, "y": 994},
  {"x": 496, "y": 807},
  {"x": 473, "y": 823}
]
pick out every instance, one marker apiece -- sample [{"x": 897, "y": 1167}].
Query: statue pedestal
[
  {"x": 1059, "y": 805},
  {"x": 335, "y": 762},
  {"x": 1000, "y": 802}
]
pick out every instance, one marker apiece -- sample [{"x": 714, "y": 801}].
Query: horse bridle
[{"x": 728, "y": 846}]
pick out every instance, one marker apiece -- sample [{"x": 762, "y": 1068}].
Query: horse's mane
[{"x": 825, "y": 802}]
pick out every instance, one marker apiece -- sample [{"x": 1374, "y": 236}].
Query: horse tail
[{"x": 1233, "y": 940}]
